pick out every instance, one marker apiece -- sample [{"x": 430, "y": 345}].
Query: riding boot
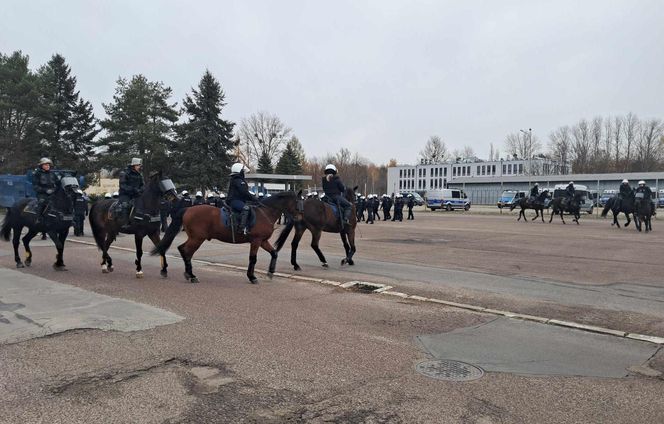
[
  {"x": 346, "y": 215},
  {"x": 244, "y": 217}
]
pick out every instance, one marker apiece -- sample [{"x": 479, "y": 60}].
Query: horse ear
[{"x": 355, "y": 189}]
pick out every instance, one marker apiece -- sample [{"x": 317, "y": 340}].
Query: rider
[
  {"x": 625, "y": 190},
  {"x": 131, "y": 187},
  {"x": 534, "y": 192},
  {"x": 643, "y": 188},
  {"x": 335, "y": 189},
  {"x": 570, "y": 191},
  {"x": 239, "y": 195},
  {"x": 44, "y": 183}
]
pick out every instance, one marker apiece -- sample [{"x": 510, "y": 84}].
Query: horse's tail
[
  {"x": 284, "y": 235},
  {"x": 6, "y": 230},
  {"x": 607, "y": 208},
  {"x": 171, "y": 232},
  {"x": 96, "y": 222}
]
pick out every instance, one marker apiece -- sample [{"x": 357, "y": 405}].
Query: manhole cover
[{"x": 449, "y": 370}]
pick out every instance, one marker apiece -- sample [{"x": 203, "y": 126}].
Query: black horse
[
  {"x": 616, "y": 206},
  {"x": 526, "y": 203},
  {"x": 560, "y": 205},
  {"x": 145, "y": 220},
  {"x": 319, "y": 217},
  {"x": 642, "y": 212},
  {"x": 55, "y": 222}
]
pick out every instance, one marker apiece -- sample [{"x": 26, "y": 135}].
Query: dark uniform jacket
[
  {"x": 131, "y": 183},
  {"x": 625, "y": 191},
  {"x": 411, "y": 203},
  {"x": 334, "y": 187},
  {"x": 81, "y": 205},
  {"x": 569, "y": 191},
  {"x": 199, "y": 201},
  {"x": 646, "y": 191},
  {"x": 239, "y": 190},
  {"x": 44, "y": 183},
  {"x": 534, "y": 192}
]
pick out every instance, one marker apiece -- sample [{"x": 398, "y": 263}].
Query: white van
[
  {"x": 447, "y": 198},
  {"x": 586, "y": 196}
]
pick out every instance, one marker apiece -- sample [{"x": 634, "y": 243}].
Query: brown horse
[
  {"x": 320, "y": 217},
  {"x": 145, "y": 222},
  {"x": 204, "y": 222}
]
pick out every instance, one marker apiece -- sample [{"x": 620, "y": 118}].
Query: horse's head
[
  {"x": 159, "y": 185},
  {"x": 349, "y": 194},
  {"x": 288, "y": 202},
  {"x": 65, "y": 193}
]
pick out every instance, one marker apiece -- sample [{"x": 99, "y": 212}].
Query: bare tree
[
  {"x": 596, "y": 155},
  {"x": 434, "y": 150},
  {"x": 262, "y": 134},
  {"x": 468, "y": 152},
  {"x": 617, "y": 141},
  {"x": 581, "y": 146},
  {"x": 630, "y": 129},
  {"x": 605, "y": 165},
  {"x": 522, "y": 145},
  {"x": 649, "y": 145},
  {"x": 561, "y": 145}
]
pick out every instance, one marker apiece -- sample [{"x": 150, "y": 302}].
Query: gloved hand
[{"x": 50, "y": 191}]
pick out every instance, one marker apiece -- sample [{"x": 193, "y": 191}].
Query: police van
[
  {"x": 447, "y": 198},
  {"x": 606, "y": 195},
  {"x": 508, "y": 197},
  {"x": 586, "y": 196},
  {"x": 660, "y": 199}
]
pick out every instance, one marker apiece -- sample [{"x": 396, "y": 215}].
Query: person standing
[
  {"x": 199, "y": 198},
  {"x": 411, "y": 204},
  {"x": 80, "y": 212},
  {"x": 370, "y": 209}
]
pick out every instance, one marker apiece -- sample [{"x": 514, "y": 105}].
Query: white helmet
[
  {"x": 330, "y": 169},
  {"x": 184, "y": 192},
  {"x": 642, "y": 182},
  {"x": 210, "y": 194},
  {"x": 571, "y": 183},
  {"x": 536, "y": 184},
  {"x": 136, "y": 161},
  {"x": 222, "y": 196},
  {"x": 261, "y": 194},
  {"x": 237, "y": 168},
  {"x": 42, "y": 161},
  {"x": 199, "y": 194},
  {"x": 107, "y": 196},
  {"x": 625, "y": 181},
  {"x": 116, "y": 194},
  {"x": 79, "y": 191},
  {"x": 269, "y": 195},
  {"x": 322, "y": 195}
]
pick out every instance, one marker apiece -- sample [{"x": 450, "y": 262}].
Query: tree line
[{"x": 42, "y": 113}]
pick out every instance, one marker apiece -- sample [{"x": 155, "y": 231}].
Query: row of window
[
  {"x": 434, "y": 183},
  {"x": 486, "y": 170},
  {"x": 512, "y": 170}
]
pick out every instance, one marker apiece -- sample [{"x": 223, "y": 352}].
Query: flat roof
[
  {"x": 566, "y": 177},
  {"x": 282, "y": 177}
]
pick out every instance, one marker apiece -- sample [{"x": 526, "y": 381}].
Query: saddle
[
  {"x": 227, "y": 215},
  {"x": 115, "y": 211},
  {"x": 50, "y": 213},
  {"x": 31, "y": 207},
  {"x": 335, "y": 208}
]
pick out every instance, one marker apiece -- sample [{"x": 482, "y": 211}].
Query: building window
[
  {"x": 445, "y": 172},
  {"x": 463, "y": 171},
  {"x": 478, "y": 170},
  {"x": 454, "y": 171},
  {"x": 400, "y": 173},
  {"x": 440, "y": 182},
  {"x": 400, "y": 184},
  {"x": 494, "y": 169},
  {"x": 504, "y": 169},
  {"x": 424, "y": 172},
  {"x": 509, "y": 168},
  {"x": 521, "y": 168}
]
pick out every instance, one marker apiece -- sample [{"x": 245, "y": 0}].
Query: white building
[{"x": 428, "y": 176}]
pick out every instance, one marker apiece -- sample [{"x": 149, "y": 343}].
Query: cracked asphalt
[{"x": 289, "y": 351}]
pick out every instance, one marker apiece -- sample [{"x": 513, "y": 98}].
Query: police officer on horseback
[
  {"x": 534, "y": 191},
  {"x": 334, "y": 190},
  {"x": 44, "y": 183},
  {"x": 647, "y": 192},
  {"x": 239, "y": 195},
  {"x": 131, "y": 187}
]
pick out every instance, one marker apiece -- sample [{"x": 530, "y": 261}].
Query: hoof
[
  {"x": 104, "y": 269},
  {"x": 325, "y": 265},
  {"x": 344, "y": 261},
  {"x": 19, "y": 265},
  {"x": 194, "y": 280},
  {"x": 28, "y": 262},
  {"x": 253, "y": 280},
  {"x": 270, "y": 275},
  {"x": 297, "y": 268},
  {"x": 139, "y": 274},
  {"x": 164, "y": 274},
  {"x": 351, "y": 262},
  {"x": 59, "y": 267},
  {"x": 110, "y": 268}
]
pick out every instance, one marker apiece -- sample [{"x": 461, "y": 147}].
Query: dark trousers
[
  {"x": 410, "y": 214},
  {"x": 79, "y": 222}
]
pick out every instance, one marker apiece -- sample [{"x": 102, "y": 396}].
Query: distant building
[{"x": 428, "y": 176}]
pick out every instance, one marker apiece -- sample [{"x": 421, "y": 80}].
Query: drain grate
[{"x": 449, "y": 370}]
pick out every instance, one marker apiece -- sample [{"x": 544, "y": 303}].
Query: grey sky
[{"x": 377, "y": 77}]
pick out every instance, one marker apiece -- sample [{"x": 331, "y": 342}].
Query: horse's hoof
[
  {"x": 343, "y": 261},
  {"x": 164, "y": 274},
  {"x": 194, "y": 280},
  {"x": 253, "y": 280},
  {"x": 139, "y": 274},
  {"x": 325, "y": 265},
  {"x": 20, "y": 265},
  {"x": 270, "y": 275},
  {"x": 104, "y": 269},
  {"x": 350, "y": 262},
  {"x": 297, "y": 268},
  {"x": 28, "y": 262},
  {"x": 59, "y": 267}
]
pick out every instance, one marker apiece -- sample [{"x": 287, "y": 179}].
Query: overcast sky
[{"x": 377, "y": 77}]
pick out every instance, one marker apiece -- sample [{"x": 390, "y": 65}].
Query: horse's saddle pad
[{"x": 226, "y": 217}]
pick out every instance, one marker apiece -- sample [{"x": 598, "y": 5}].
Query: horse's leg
[
  {"x": 628, "y": 220},
  {"x": 551, "y": 214},
  {"x": 273, "y": 255},
  {"x": 351, "y": 241},
  {"x": 138, "y": 240},
  {"x": 315, "y": 238},
  {"x": 253, "y": 250},
  {"x": 299, "y": 231},
  {"x": 536, "y": 215},
  {"x": 107, "y": 262},
  {"x": 344, "y": 240},
  {"x": 187, "y": 250},
  {"x": 154, "y": 237},
  {"x": 26, "y": 241},
  {"x": 58, "y": 265},
  {"x": 562, "y": 218}
]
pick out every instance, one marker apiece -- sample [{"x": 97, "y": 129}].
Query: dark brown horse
[
  {"x": 204, "y": 222},
  {"x": 145, "y": 221},
  {"x": 643, "y": 212},
  {"x": 560, "y": 205},
  {"x": 319, "y": 217},
  {"x": 526, "y": 203}
]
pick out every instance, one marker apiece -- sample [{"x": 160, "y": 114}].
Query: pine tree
[
  {"x": 290, "y": 162},
  {"x": 139, "y": 124},
  {"x": 204, "y": 144},
  {"x": 264, "y": 164}
]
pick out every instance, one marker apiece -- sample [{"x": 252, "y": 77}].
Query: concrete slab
[
  {"x": 531, "y": 348},
  {"x": 32, "y": 307}
]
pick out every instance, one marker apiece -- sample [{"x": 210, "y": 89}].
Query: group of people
[
  {"x": 625, "y": 192},
  {"x": 372, "y": 204}
]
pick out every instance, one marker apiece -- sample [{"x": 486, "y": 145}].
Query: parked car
[
  {"x": 606, "y": 195},
  {"x": 447, "y": 198},
  {"x": 586, "y": 197},
  {"x": 660, "y": 199},
  {"x": 508, "y": 197},
  {"x": 419, "y": 200}
]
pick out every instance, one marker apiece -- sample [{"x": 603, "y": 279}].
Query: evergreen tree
[
  {"x": 139, "y": 124},
  {"x": 19, "y": 99},
  {"x": 290, "y": 162},
  {"x": 204, "y": 144},
  {"x": 264, "y": 164}
]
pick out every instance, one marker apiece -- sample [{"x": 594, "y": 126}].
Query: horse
[
  {"x": 642, "y": 212},
  {"x": 205, "y": 222},
  {"x": 525, "y": 203},
  {"x": 145, "y": 221},
  {"x": 57, "y": 219},
  {"x": 318, "y": 217},
  {"x": 616, "y": 205},
  {"x": 558, "y": 207}
]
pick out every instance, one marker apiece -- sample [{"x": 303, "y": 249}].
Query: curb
[{"x": 383, "y": 289}]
